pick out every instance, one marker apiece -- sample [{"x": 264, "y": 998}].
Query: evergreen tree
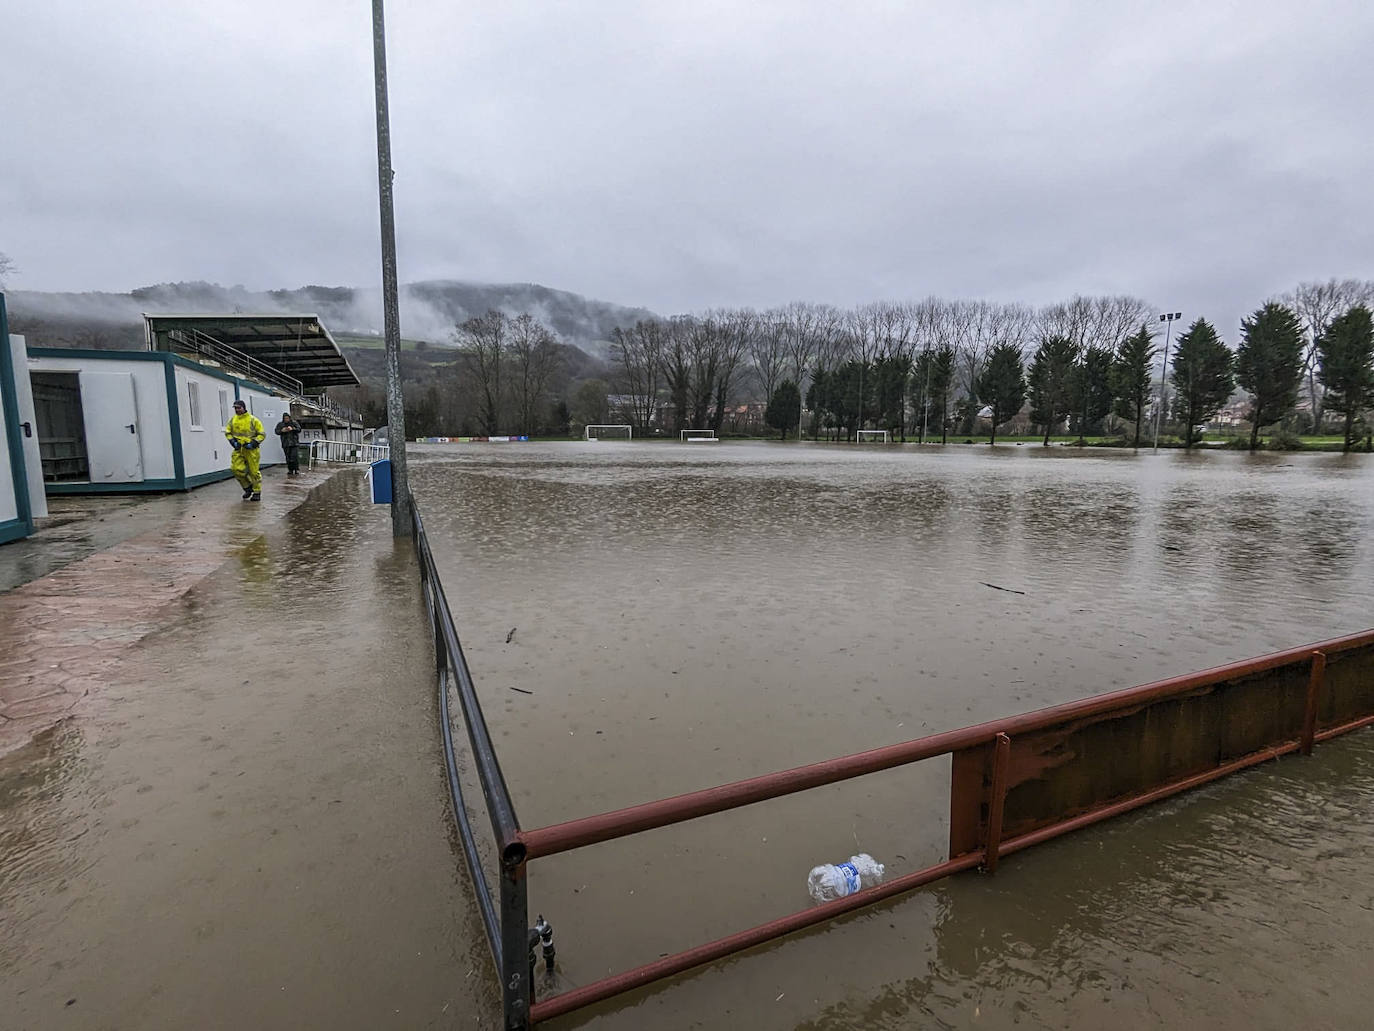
[
  {"x": 784, "y": 407},
  {"x": 941, "y": 380},
  {"x": 1092, "y": 390},
  {"x": 1002, "y": 385},
  {"x": 1051, "y": 382},
  {"x": 1130, "y": 378},
  {"x": 1204, "y": 376},
  {"x": 1345, "y": 350},
  {"x": 931, "y": 377},
  {"x": 890, "y": 374},
  {"x": 1269, "y": 365},
  {"x": 818, "y": 399}
]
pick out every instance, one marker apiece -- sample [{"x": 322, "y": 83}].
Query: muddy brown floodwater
[
  {"x": 686, "y": 615},
  {"x": 262, "y": 841}
]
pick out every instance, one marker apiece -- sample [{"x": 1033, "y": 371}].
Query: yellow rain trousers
[{"x": 244, "y": 461}]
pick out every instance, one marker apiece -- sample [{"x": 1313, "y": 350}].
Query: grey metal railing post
[{"x": 516, "y": 988}]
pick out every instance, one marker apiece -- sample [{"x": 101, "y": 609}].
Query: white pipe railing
[{"x": 346, "y": 451}]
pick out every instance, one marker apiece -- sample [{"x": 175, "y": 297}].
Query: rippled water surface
[{"x": 687, "y": 615}]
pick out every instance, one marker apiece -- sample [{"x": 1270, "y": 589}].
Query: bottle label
[{"x": 851, "y": 877}]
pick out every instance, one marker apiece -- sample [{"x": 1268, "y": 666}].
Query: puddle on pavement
[{"x": 251, "y": 829}]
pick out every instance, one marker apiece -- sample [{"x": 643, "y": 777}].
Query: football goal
[
  {"x": 608, "y": 433},
  {"x": 880, "y": 436},
  {"x": 698, "y": 436}
]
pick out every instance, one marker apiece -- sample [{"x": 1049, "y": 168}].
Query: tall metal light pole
[
  {"x": 391, "y": 315},
  {"x": 1168, "y": 320}
]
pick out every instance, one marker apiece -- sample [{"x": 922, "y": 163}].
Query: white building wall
[
  {"x": 153, "y": 441},
  {"x": 9, "y": 484},
  {"x": 33, "y": 457},
  {"x": 203, "y": 447}
]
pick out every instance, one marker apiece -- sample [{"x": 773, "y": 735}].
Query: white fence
[{"x": 346, "y": 451}]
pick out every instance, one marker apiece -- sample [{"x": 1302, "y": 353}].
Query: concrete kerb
[{"x": 62, "y": 634}]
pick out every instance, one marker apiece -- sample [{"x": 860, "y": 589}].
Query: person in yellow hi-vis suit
[{"x": 246, "y": 435}]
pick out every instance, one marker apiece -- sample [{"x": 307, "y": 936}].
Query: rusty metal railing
[
  {"x": 1020, "y": 781},
  {"x": 1015, "y": 782}
]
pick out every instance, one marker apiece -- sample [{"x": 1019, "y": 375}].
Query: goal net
[
  {"x": 620, "y": 432},
  {"x": 697, "y": 436},
  {"x": 879, "y": 436}
]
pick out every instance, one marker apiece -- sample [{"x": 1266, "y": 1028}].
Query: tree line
[{"x": 935, "y": 367}]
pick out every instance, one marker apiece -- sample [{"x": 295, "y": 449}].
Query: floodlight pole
[
  {"x": 1168, "y": 320},
  {"x": 391, "y": 316}
]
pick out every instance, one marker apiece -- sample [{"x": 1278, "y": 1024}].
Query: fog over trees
[{"x": 917, "y": 369}]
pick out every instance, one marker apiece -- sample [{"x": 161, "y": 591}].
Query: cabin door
[{"x": 111, "y": 417}]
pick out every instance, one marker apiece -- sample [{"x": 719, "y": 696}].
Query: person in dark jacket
[{"x": 289, "y": 430}]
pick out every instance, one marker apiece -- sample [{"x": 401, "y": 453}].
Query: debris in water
[
  {"x": 510, "y": 635},
  {"x": 521, "y": 690},
  {"x": 1009, "y": 590}
]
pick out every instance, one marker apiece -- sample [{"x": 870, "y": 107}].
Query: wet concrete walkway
[
  {"x": 100, "y": 575},
  {"x": 249, "y": 826}
]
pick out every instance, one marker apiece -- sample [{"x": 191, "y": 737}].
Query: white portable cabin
[{"x": 122, "y": 421}]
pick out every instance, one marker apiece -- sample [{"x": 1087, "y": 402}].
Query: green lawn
[{"x": 373, "y": 343}]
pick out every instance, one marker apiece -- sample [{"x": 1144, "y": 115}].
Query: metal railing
[
  {"x": 196, "y": 342},
  {"x": 346, "y": 451},
  {"x": 1015, "y": 782},
  {"x": 508, "y": 934},
  {"x": 327, "y": 405}
]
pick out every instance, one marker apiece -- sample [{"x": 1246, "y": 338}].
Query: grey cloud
[{"x": 1204, "y": 156}]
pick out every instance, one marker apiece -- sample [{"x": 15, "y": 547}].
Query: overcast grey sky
[{"x": 684, "y": 155}]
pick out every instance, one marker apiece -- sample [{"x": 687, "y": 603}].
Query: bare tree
[
  {"x": 7, "y": 268},
  {"x": 534, "y": 359},
  {"x": 1316, "y": 304},
  {"x": 768, "y": 351},
  {"x": 737, "y": 328},
  {"x": 482, "y": 341},
  {"x": 678, "y": 366},
  {"x": 638, "y": 352}
]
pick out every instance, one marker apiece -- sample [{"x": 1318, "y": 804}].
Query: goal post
[
  {"x": 608, "y": 432},
  {"x": 881, "y": 436},
  {"x": 697, "y": 436}
]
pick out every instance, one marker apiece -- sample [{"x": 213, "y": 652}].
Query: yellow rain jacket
[{"x": 244, "y": 461}]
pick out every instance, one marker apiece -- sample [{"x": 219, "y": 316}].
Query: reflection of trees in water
[
  {"x": 1251, "y": 533},
  {"x": 1329, "y": 543}
]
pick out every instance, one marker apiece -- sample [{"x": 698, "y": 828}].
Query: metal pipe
[
  {"x": 676, "y": 964},
  {"x": 997, "y": 802},
  {"x": 1315, "y": 682},
  {"x": 499, "y": 805},
  {"x": 562, "y": 837},
  {"x": 480, "y": 887},
  {"x": 516, "y": 984}
]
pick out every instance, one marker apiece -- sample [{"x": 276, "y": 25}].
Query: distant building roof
[{"x": 297, "y": 347}]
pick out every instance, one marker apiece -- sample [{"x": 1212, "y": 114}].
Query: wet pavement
[
  {"x": 250, "y": 828},
  {"x": 99, "y": 576}
]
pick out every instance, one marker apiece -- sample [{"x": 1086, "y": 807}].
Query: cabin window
[
  {"x": 224, "y": 408},
  {"x": 193, "y": 404}
]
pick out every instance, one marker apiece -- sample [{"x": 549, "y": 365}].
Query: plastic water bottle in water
[{"x": 835, "y": 881}]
